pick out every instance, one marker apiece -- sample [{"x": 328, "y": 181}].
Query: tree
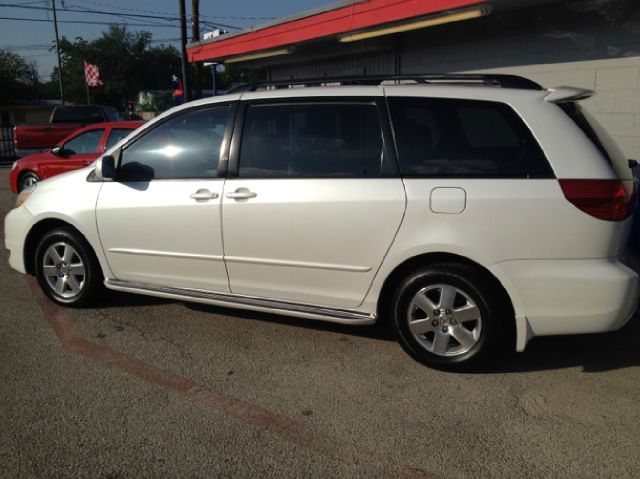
[
  {"x": 19, "y": 78},
  {"x": 127, "y": 63}
]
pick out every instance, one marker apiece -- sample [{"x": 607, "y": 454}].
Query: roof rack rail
[{"x": 496, "y": 80}]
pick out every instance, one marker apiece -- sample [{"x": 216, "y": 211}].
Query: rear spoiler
[{"x": 563, "y": 94}]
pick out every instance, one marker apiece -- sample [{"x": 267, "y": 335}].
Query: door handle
[
  {"x": 204, "y": 194},
  {"x": 241, "y": 194}
]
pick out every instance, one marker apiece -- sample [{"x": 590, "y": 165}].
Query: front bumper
[{"x": 16, "y": 227}]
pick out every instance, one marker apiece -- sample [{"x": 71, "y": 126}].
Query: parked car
[
  {"x": 75, "y": 151},
  {"x": 468, "y": 211},
  {"x": 64, "y": 120}
]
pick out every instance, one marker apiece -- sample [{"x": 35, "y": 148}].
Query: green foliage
[
  {"x": 127, "y": 62},
  {"x": 19, "y": 78}
]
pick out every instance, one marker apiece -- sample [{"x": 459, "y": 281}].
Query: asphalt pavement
[{"x": 142, "y": 387}]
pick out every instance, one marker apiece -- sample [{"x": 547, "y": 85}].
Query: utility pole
[
  {"x": 55, "y": 27},
  {"x": 195, "y": 37},
  {"x": 183, "y": 49}
]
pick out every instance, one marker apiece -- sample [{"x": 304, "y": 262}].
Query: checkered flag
[{"x": 91, "y": 75}]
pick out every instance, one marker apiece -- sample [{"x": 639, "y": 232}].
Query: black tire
[
  {"x": 80, "y": 286},
  {"x": 27, "y": 179},
  {"x": 471, "y": 289}
]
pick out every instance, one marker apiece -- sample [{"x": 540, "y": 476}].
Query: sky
[{"x": 33, "y": 39}]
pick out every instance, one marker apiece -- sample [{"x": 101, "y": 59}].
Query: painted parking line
[{"x": 293, "y": 431}]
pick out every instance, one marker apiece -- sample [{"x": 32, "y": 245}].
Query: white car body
[{"x": 323, "y": 248}]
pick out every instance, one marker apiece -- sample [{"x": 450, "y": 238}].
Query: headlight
[{"x": 24, "y": 194}]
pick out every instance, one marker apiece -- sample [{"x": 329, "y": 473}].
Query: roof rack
[{"x": 495, "y": 80}]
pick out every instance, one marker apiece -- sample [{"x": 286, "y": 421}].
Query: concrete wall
[
  {"x": 593, "y": 44},
  {"x": 597, "y": 49}
]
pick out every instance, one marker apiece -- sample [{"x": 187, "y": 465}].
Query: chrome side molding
[{"x": 335, "y": 315}]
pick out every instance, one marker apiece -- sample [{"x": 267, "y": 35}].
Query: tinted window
[
  {"x": 464, "y": 138},
  {"x": 186, "y": 146},
  {"x": 85, "y": 143},
  {"x": 116, "y": 135},
  {"x": 311, "y": 140},
  {"x": 77, "y": 114},
  {"x": 600, "y": 138}
]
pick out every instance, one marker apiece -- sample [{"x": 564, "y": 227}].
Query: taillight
[{"x": 603, "y": 199}]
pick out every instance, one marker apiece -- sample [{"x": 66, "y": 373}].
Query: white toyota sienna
[{"x": 468, "y": 211}]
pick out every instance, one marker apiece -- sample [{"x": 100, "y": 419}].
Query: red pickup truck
[{"x": 64, "y": 121}]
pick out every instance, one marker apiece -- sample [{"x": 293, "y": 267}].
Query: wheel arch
[
  {"x": 35, "y": 234},
  {"x": 410, "y": 264},
  {"x": 23, "y": 173}
]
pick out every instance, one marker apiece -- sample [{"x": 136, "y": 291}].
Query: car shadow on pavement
[
  {"x": 592, "y": 352},
  {"x": 374, "y": 331},
  {"x": 116, "y": 299}
]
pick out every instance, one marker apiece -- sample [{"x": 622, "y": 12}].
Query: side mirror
[
  {"x": 61, "y": 151},
  {"x": 106, "y": 168}
]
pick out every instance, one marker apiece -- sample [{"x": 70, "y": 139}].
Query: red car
[{"x": 77, "y": 150}]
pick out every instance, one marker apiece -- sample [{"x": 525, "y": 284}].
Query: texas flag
[
  {"x": 91, "y": 75},
  {"x": 176, "y": 85}
]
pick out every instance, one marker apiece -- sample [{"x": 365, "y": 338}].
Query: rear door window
[
  {"x": 449, "y": 138},
  {"x": 311, "y": 140}
]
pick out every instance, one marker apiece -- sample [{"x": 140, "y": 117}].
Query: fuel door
[{"x": 448, "y": 200}]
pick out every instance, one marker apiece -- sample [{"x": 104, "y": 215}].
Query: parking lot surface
[{"x": 143, "y": 387}]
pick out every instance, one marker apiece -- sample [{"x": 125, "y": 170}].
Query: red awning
[{"x": 342, "y": 19}]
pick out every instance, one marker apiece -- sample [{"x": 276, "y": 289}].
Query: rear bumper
[{"x": 569, "y": 296}]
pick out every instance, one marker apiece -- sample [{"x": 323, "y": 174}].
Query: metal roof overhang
[{"x": 336, "y": 19}]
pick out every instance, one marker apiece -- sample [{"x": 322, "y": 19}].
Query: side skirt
[{"x": 253, "y": 303}]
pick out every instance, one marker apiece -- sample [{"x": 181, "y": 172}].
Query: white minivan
[{"x": 468, "y": 211}]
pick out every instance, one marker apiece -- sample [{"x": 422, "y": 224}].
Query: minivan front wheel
[
  {"x": 448, "y": 316},
  {"x": 66, "y": 268}
]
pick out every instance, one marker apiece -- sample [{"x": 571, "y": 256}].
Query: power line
[
  {"x": 101, "y": 12},
  {"x": 45, "y": 46},
  {"x": 39, "y": 55},
  {"x": 86, "y": 22},
  {"x": 97, "y": 12},
  {"x": 168, "y": 13}
]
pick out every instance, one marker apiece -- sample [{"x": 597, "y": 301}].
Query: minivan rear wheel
[{"x": 448, "y": 316}]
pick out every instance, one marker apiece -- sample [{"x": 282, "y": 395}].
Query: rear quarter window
[
  {"x": 607, "y": 146},
  {"x": 450, "y": 138}
]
